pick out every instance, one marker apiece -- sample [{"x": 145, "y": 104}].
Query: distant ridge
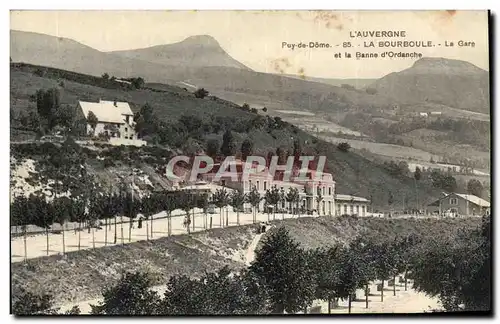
[{"x": 449, "y": 82}]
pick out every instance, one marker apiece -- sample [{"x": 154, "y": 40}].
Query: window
[
  {"x": 453, "y": 201},
  {"x": 223, "y": 182},
  {"x": 258, "y": 185},
  {"x": 352, "y": 209},
  {"x": 345, "y": 209},
  {"x": 265, "y": 185},
  {"x": 329, "y": 191},
  {"x": 363, "y": 210},
  {"x": 249, "y": 184},
  {"x": 126, "y": 130},
  {"x": 357, "y": 209}
]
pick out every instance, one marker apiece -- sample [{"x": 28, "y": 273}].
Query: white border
[{"x": 188, "y": 4}]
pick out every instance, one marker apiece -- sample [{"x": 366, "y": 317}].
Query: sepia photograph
[{"x": 250, "y": 162}]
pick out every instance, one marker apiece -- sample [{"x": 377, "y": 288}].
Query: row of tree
[{"x": 284, "y": 277}]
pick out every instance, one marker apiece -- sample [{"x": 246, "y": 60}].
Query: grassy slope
[{"x": 84, "y": 273}]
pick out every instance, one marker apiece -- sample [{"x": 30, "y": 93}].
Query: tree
[
  {"x": 344, "y": 147},
  {"x": 27, "y": 303},
  {"x": 390, "y": 200},
  {"x": 264, "y": 109},
  {"x": 417, "y": 175},
  {"x": 327, "y": 279},
  {"x": 47, "y": 104},
  {"x": 105, "y": 76},
  {"x": 42, "y": 216},
  {"x": 62, "y": 208},
  {"x": 212, "y": 148},
  {"x": 456, "y": 269},
  {"x": 221, "y": 199},
  {"x": 92, "y": 121},
  {"x": 292, "y": 197},
  {"x": 319, "y": 199},
  {"x": 132, "y": 295},
  {"x": 201, "y": 93},
  {"x": 228, "y": 147},
  {"x": 138, "y": 83},
  {"x": 20, "y": 215},
  {"x": 272, "y": 198},
  {"x": 475, "y": 187},
  {"x": 350, "y": 269},
  {"x": 245, "y": 106},
  {"x": 285, "y": 271},
  {"x": 246, "y": 149},
  {"x": 237, "y": 199},
  {"x": 384, "y": 263},
  {"x": 253, "y": 197}
]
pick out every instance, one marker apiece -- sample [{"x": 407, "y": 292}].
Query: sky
[{"x": 255, "y": 38}]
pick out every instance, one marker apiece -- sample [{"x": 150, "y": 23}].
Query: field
[{"x": 387, "y": 150}]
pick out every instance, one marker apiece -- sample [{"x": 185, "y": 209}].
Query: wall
[
  {"x": 122, "y": 141},
  {"x": 461, "y": 206},
  {"x": 353, "y": 208}
]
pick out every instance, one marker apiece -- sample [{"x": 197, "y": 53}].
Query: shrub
[{"x": 344, "y": 147}]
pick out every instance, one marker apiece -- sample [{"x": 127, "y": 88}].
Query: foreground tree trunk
[
  {"x": 25, "y": 245},
  {"x": 194, "y": 220},
  {"x": 79, "y": 234},
  {"x": 116, "y": 233},
  {"x": 169, "y": 224},
  {"x": 105, "y": 231},
  {"x": 130, "y": 224},
  {"x": 349, "y": 302},
  {"x": 64, "y": 239},
  {"x": 93, "y": 237},
  {"x": 152, "y": 221},
  {"x": 382, "y": 292},
  {"x": 121, "y": 228},
  {"x": 329, "y": 306},
  {"x": 147, "y": 230},
  {"x": 406, "y": 279},
  {"x": 394, "y": 285},
  {"x": 238, "y": 217},
  {"x": 47, "y": 234},
  {"x": 366, "y": 295}
]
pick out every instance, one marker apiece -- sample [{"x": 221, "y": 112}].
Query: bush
[
  {"x": 201, "y": 93},
  {"x": 371, "y": 91}
]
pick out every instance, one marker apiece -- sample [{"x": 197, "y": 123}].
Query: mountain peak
[
  {"x": 439, "y": 64},
  {"x": 205, "y": 40}
]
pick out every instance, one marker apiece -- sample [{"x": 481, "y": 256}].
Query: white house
[{"x": 115, "y": 121}]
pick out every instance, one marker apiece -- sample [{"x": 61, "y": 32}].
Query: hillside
[
  {"x": 87, "y": 271},
  {"x": 356, "y": 83},
  {"x": 453, "y": 83},
  {"x": 353, "y": 173},
  {"x": 194, "y": 51}
]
